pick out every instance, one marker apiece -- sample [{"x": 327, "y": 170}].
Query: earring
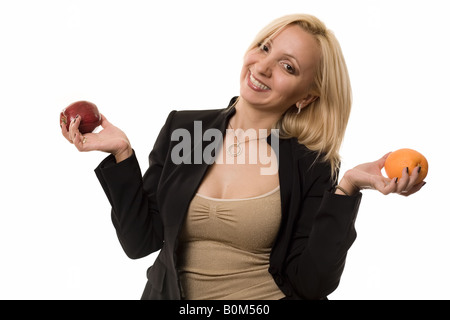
[{"x": 299, "y": 107}]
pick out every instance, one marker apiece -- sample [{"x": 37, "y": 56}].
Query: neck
[{"x": 248, "y": 116}]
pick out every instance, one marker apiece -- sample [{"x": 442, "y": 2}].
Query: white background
[{"x": 138, "y": 60}]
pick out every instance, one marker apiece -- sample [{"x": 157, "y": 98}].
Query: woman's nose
[{"x": 264, "y": 67}]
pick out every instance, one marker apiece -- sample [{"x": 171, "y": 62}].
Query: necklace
[{"x": 235, "y": 148}]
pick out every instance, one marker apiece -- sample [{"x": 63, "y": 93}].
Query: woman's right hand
[{"x": 111, "y": 139}]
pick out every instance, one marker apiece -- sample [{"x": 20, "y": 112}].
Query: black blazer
[{"x": 316, "y": 231}]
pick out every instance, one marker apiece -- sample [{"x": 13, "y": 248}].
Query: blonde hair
[{"x": 321, "y": 125}]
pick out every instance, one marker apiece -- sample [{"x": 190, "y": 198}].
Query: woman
[{"x": 226, "y": 229}]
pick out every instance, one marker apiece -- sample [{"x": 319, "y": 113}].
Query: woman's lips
[{"x": 255, "y": 84}]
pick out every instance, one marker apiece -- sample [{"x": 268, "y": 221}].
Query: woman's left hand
[{"x": 369, "y": 176}]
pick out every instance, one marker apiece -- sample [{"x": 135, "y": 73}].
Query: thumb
[
  {"x": 105, "y": 123},
  {"x": 382, "y": 160}
]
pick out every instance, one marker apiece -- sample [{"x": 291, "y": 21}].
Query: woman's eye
[
  {"x": 289, "y": 68},
  {"x": 263, "y": 47}
]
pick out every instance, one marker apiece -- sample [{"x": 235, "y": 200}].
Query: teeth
[{"x": 258, "y": 84}]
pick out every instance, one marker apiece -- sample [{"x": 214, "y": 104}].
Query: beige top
[{"x": 225, "y": 246}]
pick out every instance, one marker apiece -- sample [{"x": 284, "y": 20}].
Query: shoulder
[
  {"x": 181, "y": 118},
  {"x": 189, "y": 116},
  {"x": 189, "y": 119},
  {"x": 307, "y": 158},
  {"x": 311, "y": 165},
  {"x": 208, "y": 117}
]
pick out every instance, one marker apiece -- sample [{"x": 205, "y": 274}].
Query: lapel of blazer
[
  {"x": 285, "y": 172},
  {"x": 189, "y": 176},
  {"x": 286, "y": 176}
]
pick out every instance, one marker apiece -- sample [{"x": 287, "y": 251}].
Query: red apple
[{"x": 90, "y": 116}]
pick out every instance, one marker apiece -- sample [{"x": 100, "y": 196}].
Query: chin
[{"x": 252, "y": 97}]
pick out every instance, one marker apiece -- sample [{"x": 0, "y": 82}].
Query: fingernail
[
  {"x": 396, "y": 179},
  {"x": 407, "y": 170},
  {"x": 420, "y": 168},
  {"x": 424, "y": 183}
]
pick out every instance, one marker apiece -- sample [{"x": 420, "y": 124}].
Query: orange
[{"x": 399, "y": 159}]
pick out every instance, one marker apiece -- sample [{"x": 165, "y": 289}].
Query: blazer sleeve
[
  {"x": 322, "y": 237},
  {"x": 134, "y": 212}
]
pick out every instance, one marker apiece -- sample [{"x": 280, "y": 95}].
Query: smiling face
[{"x": 280, "y": 72}]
